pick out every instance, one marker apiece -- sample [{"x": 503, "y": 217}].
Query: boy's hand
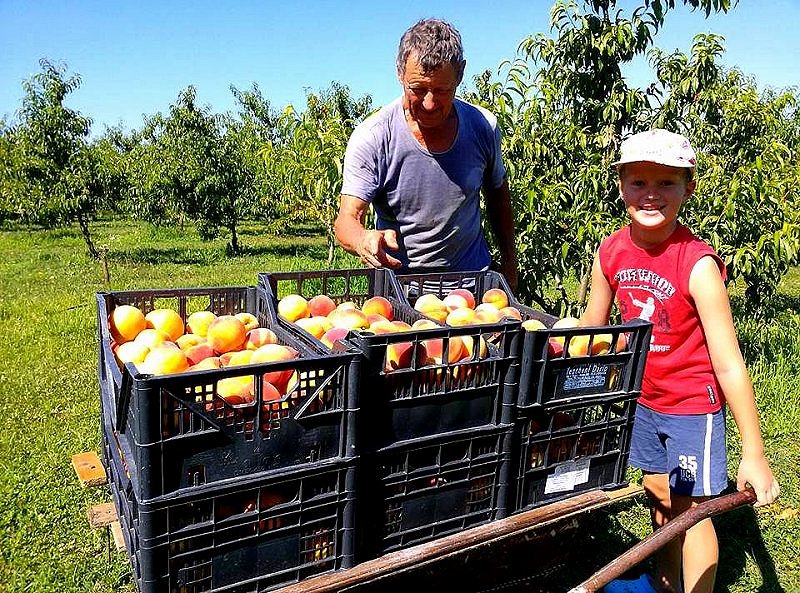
[{"x": 756, "y": 472}]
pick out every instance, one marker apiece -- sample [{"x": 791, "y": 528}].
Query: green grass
[{"x": 49, "y": 407}]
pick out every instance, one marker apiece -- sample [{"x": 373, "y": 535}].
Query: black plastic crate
[
  {"x": 424, "y": 489},
  {"x": 426, "y": 398},
  {"x": 251, "y": 535},
  {"x": 551, "y": 376},
  {"x": 182, "y": 435},
  {"x": 569, "y": 450}
]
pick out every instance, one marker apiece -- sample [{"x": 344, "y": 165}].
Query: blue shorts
[{"x": 689, "y": 448}]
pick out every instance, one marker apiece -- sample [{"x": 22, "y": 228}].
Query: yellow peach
[
  {"x": 320, "y": 305},
  {"x": 455, "y": 301},
  {"x": 248, "y": 320},
  {"x": 198, "y": 322},
  {"x": 186, "y": 341},
  {"x": 495, "y": 296},
  {"x": 166, "y": 320},
  {"x": 316, "y": 326},
  {"x": 259, "y": 336},
  {"x": 226, "y": 333},
  {"x": 533, "y": 325},
  {"x": 198, "y": 352},
  {"x": 379, "y": 305},
  {"x": 164, "y": 361},
  {"x": 462, "y": 316},
  {"x": 151, "y": 337},
  {"x": 234, "y": 391},
  {"x": 466, "y": 294},
  {"x": 131, "y": 352},
  {"x": 293, "y": 307},
  {"x": 125, "y": 322}
]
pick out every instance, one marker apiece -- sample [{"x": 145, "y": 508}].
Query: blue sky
[{"x": 134, "y": 58}]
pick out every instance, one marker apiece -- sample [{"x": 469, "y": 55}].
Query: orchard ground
[{"x": 49, "y": 406}]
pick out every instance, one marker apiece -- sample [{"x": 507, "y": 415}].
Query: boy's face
[{"x": 653, "y": 194}]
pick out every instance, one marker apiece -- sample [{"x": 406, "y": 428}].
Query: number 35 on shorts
[{"x": 688, "y": 467}]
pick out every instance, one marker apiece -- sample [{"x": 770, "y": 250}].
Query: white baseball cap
[{"x": 658, "y": 146}]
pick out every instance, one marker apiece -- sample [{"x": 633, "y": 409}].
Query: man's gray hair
[{"x": 434, "y": 42}]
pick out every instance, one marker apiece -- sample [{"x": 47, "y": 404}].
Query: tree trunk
[
  {"x": 83, "y": 221},
  {"x": 331, "y": 250},
  {"x": 233, "y": 246}
]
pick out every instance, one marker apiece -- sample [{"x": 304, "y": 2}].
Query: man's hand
[
  {"x": 371, "y": 249},
  {"x": 508, "y": 268},
  {"x": 756, "y": 472}
]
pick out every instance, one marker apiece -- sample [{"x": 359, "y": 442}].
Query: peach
[
  {"x": 455, "y": 301},
  {"x": 379, "y": 305},
  {"x": 487, "y": 315},
  {"x": 164, "y": 361},
  {"x": 198, "y": 322},
  {"x": 455, "y": 349},
  {"x": 401, "y": 355},
  {"x": 235, "y": 391},
  {"x": 346, "y": 306},
  {"x": 469, "y": 347},
  {"x": 292, "y": 307},
  {"x": 555, "y": 347},
  {"x": 125, "y": 322},
  {"x": 425, "y": 324},
  {"x": 269, "y": 392},
  {"x": 564, "y": 322},
  {"x": 275, "y": 353},
  {"x": 131, "y": 352},
  {"x": 429, "y": 302},
  {"x": 462, "y": 316},
  {"x": 198, "y": 352},
  {"x": 316, "y": 326},
  {"x": 259, "y": 336},
  {"x": 510, "y": 311},
  {"x": 533, "y": 325},
  {"x": 151, "y": 337},
  {"x": 602, "y": 344},
  {"x": 466, "y": 294},
  {"x": 248, "y": 320},
  {"x": 578, "y": 345},
  {"x": 186, "y": 341},
  {"x": 240, "y": 357},
  {"x": 226, "y": 333},
  {"x": 401, "y": 326},
  {"x": 383, "y": 327},
  {"x": 320, "y": 305},
  {"x": 348, "y": 318},
  {"x": 495, "y": 296},
  {"x": 225, "y": 357},
  {"x": 166, "y": 320},
  {"x": 332, "y": 335},
  {"x": 374, "y": 318},
  {"x": 212, "y": 362}
]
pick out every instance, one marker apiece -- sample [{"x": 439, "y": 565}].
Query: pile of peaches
[{"x": 160, "y": 343}]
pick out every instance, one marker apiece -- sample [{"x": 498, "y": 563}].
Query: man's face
[{"x": 428, "y": 97}]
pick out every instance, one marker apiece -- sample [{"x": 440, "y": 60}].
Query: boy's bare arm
[
  {"x": 711, "y": 299},
  {"x": 600, "y": 298}
]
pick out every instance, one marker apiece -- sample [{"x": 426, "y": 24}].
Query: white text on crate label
[
  {"x": 583, "y": 377},
  {"x": 568, "y": 475}
]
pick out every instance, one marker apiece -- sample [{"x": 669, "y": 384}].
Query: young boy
[{"x": 659, "y": 271}]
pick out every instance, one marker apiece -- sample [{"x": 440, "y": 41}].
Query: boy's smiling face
[{"x": 653, "y": 195}]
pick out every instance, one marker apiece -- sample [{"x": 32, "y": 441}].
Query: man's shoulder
[
  {"x": 380, "y": 119},
  {"x": 476, "y": 112}
]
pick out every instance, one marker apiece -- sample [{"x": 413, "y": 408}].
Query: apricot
[
  {"x": 225, "y": 334},
  {"x": 164, "y": 361},
  {"x": 248, "y": 320},
  {"x": 379, "y": 305},
  {"x": 151, "y": 337},
  {"x": 125, "y": 322},
  {"x": 495, "y": 296},
  {"x": 259, "y": 336},
  {"x": 293, "y": 307},
  {"x": 186, "y": 341},
  {"x": 320, "y": 305},
  {"x": 198, "y": 322},
  {"x": 166, "y": 320}
]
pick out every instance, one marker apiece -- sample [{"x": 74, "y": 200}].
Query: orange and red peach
[
  {"x": 320, "y": 305},
  {"x": 379, "y": 305},
  {"x": 198, "y": 322},
  {"x": 226, "y": 333},
  {"x": 164, "y": 361},
  {"x": 292, "y": 307},
  {"x": 198, "y": 352},
  {"x": 248, "y": 320},
  {"x": 167, "y": 321},
  {"x": 466, "y": 294},
  {"x": 496, "y": 296},
  {"x": 259, "y": 336}
]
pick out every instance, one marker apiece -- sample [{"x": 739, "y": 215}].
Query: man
[{"x": 421, "y": 162}]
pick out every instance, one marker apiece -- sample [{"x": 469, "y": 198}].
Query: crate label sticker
[
  {"x": 568, "y": 475},
  {"x": 585, "y": 377}
]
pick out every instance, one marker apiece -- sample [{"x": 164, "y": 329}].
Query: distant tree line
[{"x": 564, "y": 106}]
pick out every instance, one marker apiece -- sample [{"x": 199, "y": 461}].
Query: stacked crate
[
  {"x": 434, "y": 439},
  {"x": 214, "y": 495}
]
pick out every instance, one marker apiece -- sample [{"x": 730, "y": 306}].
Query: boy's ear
[{"x": 690, "y": 187}]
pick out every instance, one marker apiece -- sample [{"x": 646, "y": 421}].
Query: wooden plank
[
  {"x": 116, "y": 533},
  {"x": 418, "y": 556},
  {"x": 102, "y": 515},
  {"x": 89, "y": 468}
]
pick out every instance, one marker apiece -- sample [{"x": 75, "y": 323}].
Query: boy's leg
[
  {"x": 700, "y": 550},
  {"x": 668, "y": 559}
]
